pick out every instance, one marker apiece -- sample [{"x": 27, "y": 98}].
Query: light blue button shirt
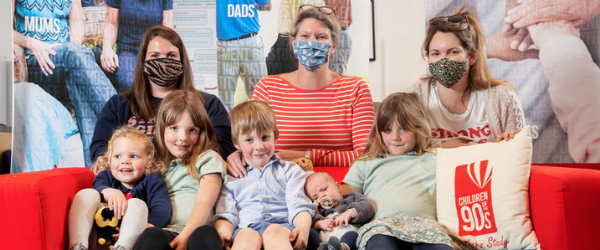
[{"x": 274, "y": 195}]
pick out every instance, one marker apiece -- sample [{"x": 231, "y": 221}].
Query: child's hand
[
  {"x": 507, "y": 136},
  {"x": 180, "y": 242},
  {"x": 343, "y": 218},
  {"x": 116, "y": 201},
  {"x": 300, "y": 236},
  {"x": 116, "y": 235},
  {"x": 226, "y": 239},
  {"x": 326, "y": 224}
]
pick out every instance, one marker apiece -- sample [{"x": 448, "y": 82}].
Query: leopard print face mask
[
  {"x": 448, "y": 72},
  {"x": 163, "y": 72}
]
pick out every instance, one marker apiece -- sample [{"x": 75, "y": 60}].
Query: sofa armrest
[
  {"x": 564, "y": 206},
  {"x": 34, "y": 207}
]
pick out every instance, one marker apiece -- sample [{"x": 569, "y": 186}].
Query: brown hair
[
  {"x": 140, "y": 96},
  {"x": 133, "y": 134},
  {"x": 252, "y": 115},
  {"x": 329, "y": 20},
  {"x": 409, "y": 113},
  {"x": 472, "y": 39},
  {"x": 175, "y": 105}
]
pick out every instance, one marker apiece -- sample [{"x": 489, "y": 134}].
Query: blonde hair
[
  {"x": 406, "y": 110},
  {"x": 472, "y": 39},
  {"x": 171, "y": 109},
  {"x": 329, "y": 20},
  {"x": 252, "y": 115},
  {"x": 152, "y": 165}
]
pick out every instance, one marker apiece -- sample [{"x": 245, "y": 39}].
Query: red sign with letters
[{"x": 473, "y": 192}]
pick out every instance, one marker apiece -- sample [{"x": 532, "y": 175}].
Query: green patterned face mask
[{"x": 448, "y": 72}]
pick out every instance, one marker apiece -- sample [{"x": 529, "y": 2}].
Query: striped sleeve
[{"x": 334, "y": 122}]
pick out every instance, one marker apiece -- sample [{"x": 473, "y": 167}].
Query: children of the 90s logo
[{"x": 474, "y": 199}]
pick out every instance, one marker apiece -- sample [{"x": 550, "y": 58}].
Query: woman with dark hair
[
  {"x": 162, "y": 66},
  {"x": 465, "y": 104}
]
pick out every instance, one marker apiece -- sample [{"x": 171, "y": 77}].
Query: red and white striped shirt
[{"x": 334, "y": 121}]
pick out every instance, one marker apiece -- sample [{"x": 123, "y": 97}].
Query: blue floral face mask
[{"x": 312, "y": 54}]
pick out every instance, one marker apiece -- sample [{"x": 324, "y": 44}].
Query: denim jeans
[{"x": 78, "y": 83}]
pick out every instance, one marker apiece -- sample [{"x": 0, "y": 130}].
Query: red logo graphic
[{"x": 473, "y": 191}]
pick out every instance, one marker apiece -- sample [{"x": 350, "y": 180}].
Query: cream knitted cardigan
[{"x": 502, "y": 107}]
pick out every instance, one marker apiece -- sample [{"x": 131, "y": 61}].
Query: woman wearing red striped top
[{"x": 321, "y": 115}]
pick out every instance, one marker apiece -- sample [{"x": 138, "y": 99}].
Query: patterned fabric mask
[
  {"x": 311, "y": 54},
  {"x": 448, "y": 72},
  {"x": 163, "y": 72}
]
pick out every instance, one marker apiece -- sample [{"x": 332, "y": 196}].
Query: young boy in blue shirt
[{"x": 268, "y": 208}]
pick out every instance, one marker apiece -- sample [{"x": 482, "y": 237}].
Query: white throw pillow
[{"x": 483, "y": 194}]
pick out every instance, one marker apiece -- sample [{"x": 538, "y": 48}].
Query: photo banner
[{"x": 557, "y": 90}]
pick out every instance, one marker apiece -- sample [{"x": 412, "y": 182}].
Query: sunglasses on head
[
  {"x": 453, "y": 19},
  {"x": 323, "y": 9}
]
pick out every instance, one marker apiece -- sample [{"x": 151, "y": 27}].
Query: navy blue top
[
  {"x": 117, "y": 112},
  {"x": 152, "y": 189},
  {"x": 135, "y": 17}
]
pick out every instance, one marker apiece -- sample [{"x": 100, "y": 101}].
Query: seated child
[
  {"x": 267, "y": 208},
  {"x": 397, "y": 172},
  {"x": 131, "y": 185},
  {"x": 336, "y": 211}
]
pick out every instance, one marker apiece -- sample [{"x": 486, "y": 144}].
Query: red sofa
[{"x": 565, "y": 202}]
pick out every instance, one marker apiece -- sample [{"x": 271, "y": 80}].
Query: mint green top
[
  {"x": 403, "y": 184},
  {"x": 183, "y": 187}
]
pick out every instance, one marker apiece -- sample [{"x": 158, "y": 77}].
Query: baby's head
[
  {"x": 254, "y": 131},
  {"x": 130, "y": 156},
  {"x": 321, "y": 184}
]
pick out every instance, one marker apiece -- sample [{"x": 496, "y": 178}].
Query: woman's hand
[
  {"x": 288, "y": 155},
  {"x": 530, "y": 12},
  {"x": 42, "y": 52},
  {"x": 236, "y": 165},
  {"x": 116, "y": 201},
  {"x": 507, "y": 136}
]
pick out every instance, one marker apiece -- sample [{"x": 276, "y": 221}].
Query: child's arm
[
  {"x": 160, "y": 209},
  {"x": 208, "y": 191},
  {"x": 301, "y": 230},
  {"x": 225, "y": 229},
  {"x": 348, "y": 188}
]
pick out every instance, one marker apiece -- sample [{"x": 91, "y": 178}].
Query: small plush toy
[
  {"x": 106, "y": 225},
  {"x": 304, "y": 163}
]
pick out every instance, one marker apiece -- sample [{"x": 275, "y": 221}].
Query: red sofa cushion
[
  {"x": 564, "y": 204},
  {"x": 49, "y": 195}
]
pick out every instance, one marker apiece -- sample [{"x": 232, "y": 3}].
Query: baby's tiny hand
[
  {"x": 343, "y": 218},
  {"x": 326, "y": 224}
]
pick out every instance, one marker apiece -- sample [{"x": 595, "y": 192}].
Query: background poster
[
  {"x": 54, "y": 121},
  {"x": 551, "y": 144}
]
